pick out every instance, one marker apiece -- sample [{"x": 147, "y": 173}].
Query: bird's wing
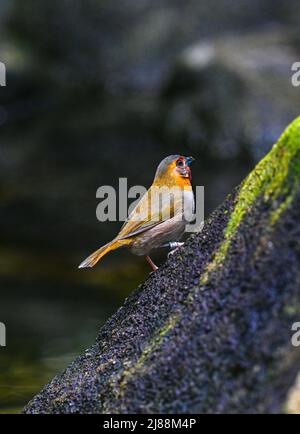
[{"x": 153, "y": 209}]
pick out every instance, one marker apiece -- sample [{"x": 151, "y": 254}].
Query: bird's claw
[{"x": 174, "y": 246}]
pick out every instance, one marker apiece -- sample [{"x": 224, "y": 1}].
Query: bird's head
[{"x": 174, "y": 169}]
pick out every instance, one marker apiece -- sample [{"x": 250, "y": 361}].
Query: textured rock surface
[{"x": 210, "y": 332}]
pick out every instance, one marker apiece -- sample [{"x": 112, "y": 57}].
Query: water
[{"x": 49, "y": 323}]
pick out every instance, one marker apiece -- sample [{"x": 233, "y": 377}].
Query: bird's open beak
[{"x": 189, "y": 160}]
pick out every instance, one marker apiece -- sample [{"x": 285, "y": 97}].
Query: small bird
[{"x": 159, "y": 219}]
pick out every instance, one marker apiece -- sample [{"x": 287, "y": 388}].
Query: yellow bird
[{"x": 160, "y": 217}]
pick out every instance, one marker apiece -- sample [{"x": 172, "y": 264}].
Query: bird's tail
[{"x": 92, "y": 260}]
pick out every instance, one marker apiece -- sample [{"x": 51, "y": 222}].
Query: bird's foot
[{"x": 174, "y": 246}]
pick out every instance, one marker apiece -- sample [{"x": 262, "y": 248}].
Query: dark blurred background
[{"x": 101, "y": 89}]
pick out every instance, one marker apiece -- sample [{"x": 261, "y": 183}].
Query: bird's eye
[{"x": 179, "y": 163}]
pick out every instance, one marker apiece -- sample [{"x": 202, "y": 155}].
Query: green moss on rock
[{"x": 275, "y": 177}]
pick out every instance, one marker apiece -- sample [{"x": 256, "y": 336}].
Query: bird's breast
[{"x": 185, "y": 205}]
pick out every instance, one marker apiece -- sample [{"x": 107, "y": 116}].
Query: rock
[{"x": 211, "y": 330}]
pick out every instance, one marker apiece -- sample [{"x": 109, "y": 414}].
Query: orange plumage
[{"x": 159, "y": 217}]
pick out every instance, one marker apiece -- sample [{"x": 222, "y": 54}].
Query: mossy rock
[{"x": 211, "y": 331}]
